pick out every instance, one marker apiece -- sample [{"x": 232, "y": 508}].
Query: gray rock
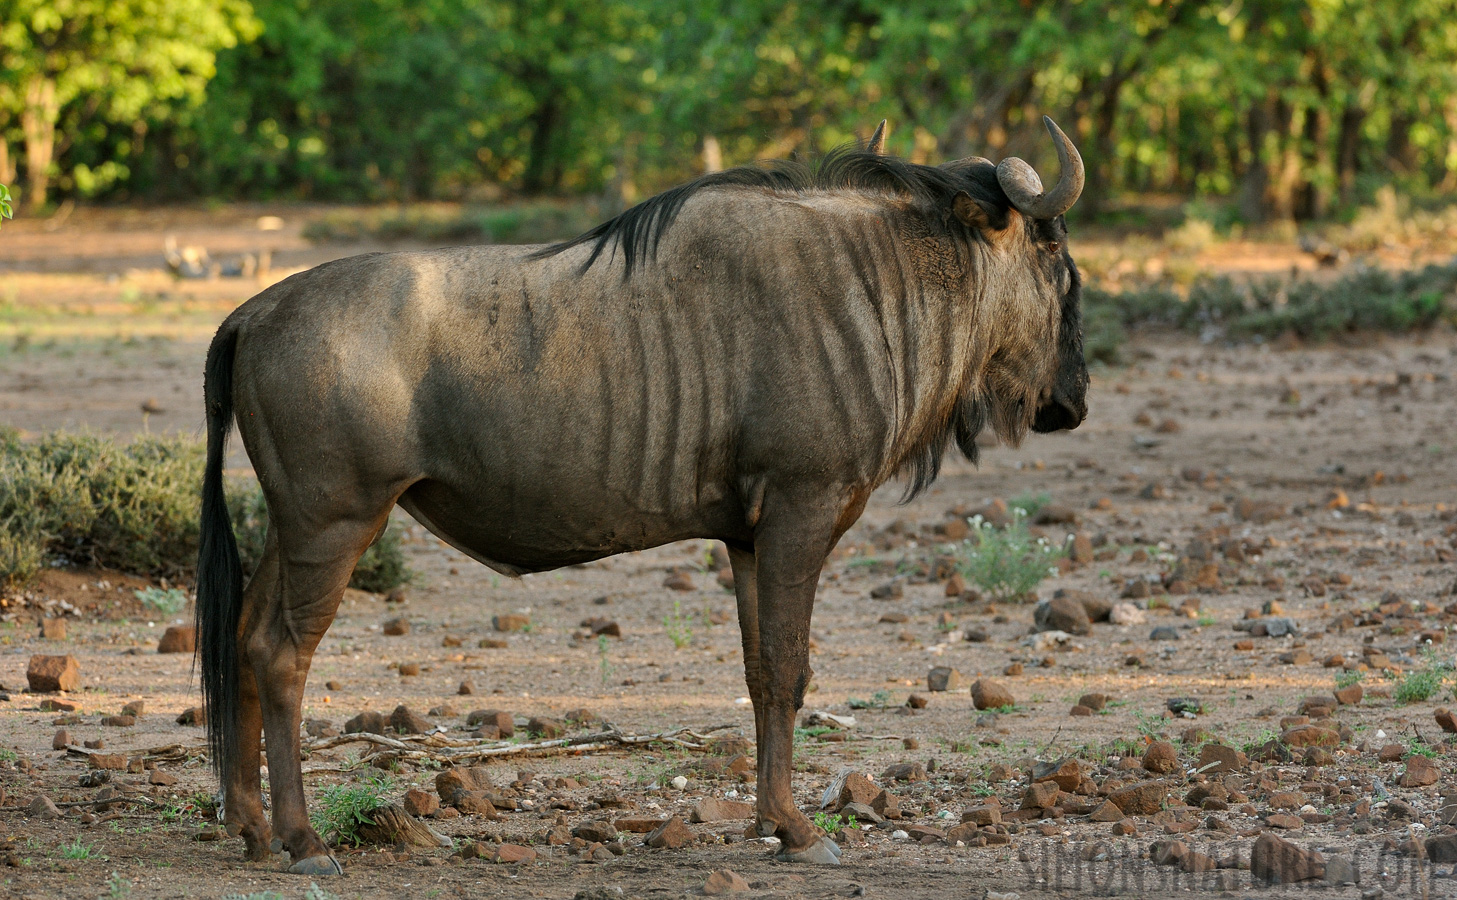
[{"x": 1164, "y": 633}]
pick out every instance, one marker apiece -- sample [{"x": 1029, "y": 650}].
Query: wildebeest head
[{"x": 1035, "y": 376}]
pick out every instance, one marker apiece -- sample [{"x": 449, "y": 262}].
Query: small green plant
[
  {"x": 1422, "y": 684},
  {"x": 1205, "y": 620},
  {"x": 1006, "y": 562},
  {"x": 317, "y": 893},
  {"x": 833, "y": 823},
  {"x": 604, "y": 665},
  {"x": 878, "y": 700},
  {"x": 677, "y": 626},
  {"x": 1030, "y": 504},
  {"x": 804, "y": 735},
  {"x": 344, "y": 807},
  {"x": 1347, "y": 679},
  {"x": 257, "y": 895},
  {"x": 78, "y": 849},
  {"x": 7, "y": 208},
  {"x": 117, "y": 887},
  {"x": 1415, "y": 746},
  {"x": 1151, "y": 726},
  {"x": 168, "y": 602}
]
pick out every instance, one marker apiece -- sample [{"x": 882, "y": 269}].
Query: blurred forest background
[{"x": 1239, "y": 110}]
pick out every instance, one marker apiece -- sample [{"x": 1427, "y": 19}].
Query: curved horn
[
  {"x": 877, "y": 140},
  {"x": 1024, "y": 188}
]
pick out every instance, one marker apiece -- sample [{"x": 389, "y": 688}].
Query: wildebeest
[{"x": 742, "y": 358}]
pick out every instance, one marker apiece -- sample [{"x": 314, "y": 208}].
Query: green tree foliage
[{"x": 1287, "y": 108}]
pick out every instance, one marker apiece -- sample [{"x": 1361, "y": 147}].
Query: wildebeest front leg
[
  {"x": 790, "y": 552},
  {"x": 746, "y": 591}
]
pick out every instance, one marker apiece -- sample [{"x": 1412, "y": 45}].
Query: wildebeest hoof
[
  {"x": 823, "y": 852},
  {"x": 323, "y": 864},
  {"x": 276, "y": 845}
]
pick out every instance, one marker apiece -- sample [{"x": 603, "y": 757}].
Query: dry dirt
[{"x": 1316, "y": 483}]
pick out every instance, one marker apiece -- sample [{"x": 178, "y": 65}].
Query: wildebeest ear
[
  {"x": 973, "y": 213},
  {"x": 877, "y": 140}
]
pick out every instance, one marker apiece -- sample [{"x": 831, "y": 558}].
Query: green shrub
[
  {"x": 1006, "y": 562},
  {"x": 130, "y": 507},
  {"x": 344, "y": 807},
  {"x": 1419, "y": 685}
]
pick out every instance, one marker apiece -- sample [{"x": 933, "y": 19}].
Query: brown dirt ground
[{"x": 92, "y": 330}]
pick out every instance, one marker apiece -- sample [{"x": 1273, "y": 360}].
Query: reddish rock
[
  {"x": 858, "y": 788},
  {"x": 367, "y": 722},
  {"x": 1420, "y": 772},
  {"x": 1040, "y": 795},
  {"x": 1278, "y": 861},
  {"x": 1107, "y": 811},
  {"x": 511, "y": 622},
  {"x": 989, "y": 694},
  {"x": 47, "y": 674},
  {"x": 716, "y": 810},
  {"x": 1445, "y": 720},
  {"x": 944, "y": 678},
  {"x": 178, "y": 639},
  {"x": 1062, "y": 613},
  {"x": 475, "y": 803},
  {"x": 983, "y": 815},
  {"x": 406, "y": 721},
  {"x": 1351, "y": 695},
  {"x": 1161, "y": 757},
  {"x": 396, "y": 627},
  {"x": 512, "y": 853},
  {"x": 724, "y": 881},
  {"x": 598, "y": 831},
  {"x": 53, "y": 629},
  {"x": 1125, "y": 827},
  {"x": 420, "y": 803},
  {"x": 458, "y": 780},
  {"x": 637, "y": 825},
  {"x": 62, "y": 739},
  {"x": 546, "y": 727},
  {"x": 1145, "y": 799},
  {"x": 495, "y": 718},
  {"x": 113, "y": 762},
  {"x": 161, "y": 779},
  {"x": 1310, "y": 736},
  {"x": 1066, "y": 773},
  {"x": 1219, "y": 759},
  {"x": 671, "y": 835},
  {"x": 118, "y": 721}
]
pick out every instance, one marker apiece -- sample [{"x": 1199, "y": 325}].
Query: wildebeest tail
[{"x": 219, "y": 570}]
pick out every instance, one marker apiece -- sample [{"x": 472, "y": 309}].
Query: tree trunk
[
  {"x": 543, "y": 130},
  {"x": 38, "y": 122},
  {"x": 1256, "y": 177},
  {"x": 1348, "y": 146}
]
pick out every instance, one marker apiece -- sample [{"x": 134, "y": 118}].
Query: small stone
[
  {"x": 1161, "y": 758},
  {"x": 1095, "y": 701},
  {"x": 1164, "y": 633},
  {"x": 119, "y": 721},
  {"x": 1126, "y": 614},
  {"x": 724, "y": 881},
  {"x": 161, "y": 779},
  {"x": 1445, "y": 720},
  {"x": 1310, "y": 736},
  {"x": 989, "y": 694},
  {"x": 368, "y": 722},
  {"x": 1107, "y": 811},
  {"x": 1350, "y": 696},
  {"x": 52, "y": 629},
  {"x": 475, "y": 803},
  {"x": 511, "y": 622},
  {"x": 396, "y": 627},
  {"x": 1339, "y": 871},
  {"x": 944, "y": 678},
  {"x": 1278, "y": 861},
  {"x": 904, "y": 772},
  {"x": 178, "y": 639},
  {"x": 1219, "y": 759},
  {"x": 405, "y": 721},
  {"x": 857, "y": 788},
  {"x": 503, "y": 723},
  {"x": 420, "y": 803},
  {"x": 1125, "y": 827},
  {"x": 1391, "y": 752},
  {"x": 112, "y": 762},
  {"x": 94, "y": 745},
  {"x": 716, "y": 810},
  {"x": 1066, "y": 773},
  {"x": 983, "y": 815},
  {"x": 62, "y": 740},
  {"x": 1062, "y": 614},
  {"x": 466, "y": 688},
  {"x": 1442, "y": 849},
  {"x": 679, "y": 581},
  {"x": 42, "y": 807},
  {"x": 1284, "y": 821},
  {"x": 599, "y": 831},
  {"x": 671, "y": 835},
  {"x": 512, "y": 853},
  {"x": 1420, "y": 772},
  {"x": 546, "y": 727},
  {"x": 1040, "y": 795},
  {"x": 1144, "y": 799},
  {"x": 47, "y": 674},
  {"x": 637, "y": 824}
]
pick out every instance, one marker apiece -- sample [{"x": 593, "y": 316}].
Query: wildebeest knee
[{"x": 787, "y": 687}]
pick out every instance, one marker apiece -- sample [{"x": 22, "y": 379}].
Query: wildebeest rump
[{"x": 743, "y": 358}]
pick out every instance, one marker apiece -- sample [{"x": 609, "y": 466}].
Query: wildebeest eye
[{"x": 1053, "y": 246}]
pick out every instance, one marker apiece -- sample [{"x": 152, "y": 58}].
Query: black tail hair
[{"x": 219, "y": 570}]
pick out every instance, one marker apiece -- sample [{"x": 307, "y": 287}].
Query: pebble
[
  {"x": 1164, "y": 633},
  {"x": 396, "y": 627},
  {"x": 724, "y": 881},
  {"x": 48, "y": 674},
  {"x": 178, "y": 639},
  {"x": 989, "y": 694},
  {"x": 944, "y": 678}
]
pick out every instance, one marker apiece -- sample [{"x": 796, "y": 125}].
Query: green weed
[
  {"x": 833, "y": 823},
  {"x": 1006, "y": 562},
  {"x": 79, "y": 849},
  {"x": 343, "y": 808},
  {"x": 678, "y": 626},
  {"x": 168, "y": 602},
  {"x": 1420, "y": 685}
]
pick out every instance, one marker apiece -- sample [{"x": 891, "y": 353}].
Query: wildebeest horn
[
  {"x": 877, "y": 140},
  {"x": 1024, "y": 188}
]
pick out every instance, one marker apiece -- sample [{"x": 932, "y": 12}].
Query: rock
[
  {"x": 396, "y": 627},
  {"x": 1284, "y": 821},
  {"x": 546, "y": 727},
  {"x": 1217, "y": 759},
  {"x": 405, "y": 721},
  {"x": 1442, "y": 849},
  {"x": 443, "y": 711},
  {"x": 1125, "y": 827},
  {"x": 1277, "y": 861},
  {"x": 118, "y": 721},
  {"x": 42, "y": 807},
  {"x": 679, "y": 581},
  {"x": 1161, "y": 758},
  {"x": 1277, "y": 626},
  {"x": 512, "y": 853},
  {"x": 724, "y": 881},
  {"x": 112, "y": 762},
  {"x": 637, "y": 824},
  {"x": 716, "y": 810},
  {"x": 193, "y": 715},
  {"x": 1391, "y": 752},
  {"x": 1310, "y": 736},
  {"x": 1339, "y": 871},
  {"x": 671, "y": 835},
  {"x": 1040, "y": 795},
  {"x": 862, "y": 813},
  {"x": 944, "y": 678},
  {"x": 47, "y": 674},
  {"x": 1095, "y": 702},
  {"x": 1445, "y": 720},
  {"x": 599, "y": 626},
  {"x": 52, "y": 629},
  {"x": 161, "y": 779},
  {"x": 178, "y": 639},
  {"x": 857, "y": 788},
  {"x": 1164, "y": 633},
  {"x": 1145, "y": 799},
  {"x": 501, "y": 721},
  {"x": 466, "y": 688},
  {"x": 420, "y": 803},
  {"x": 989, "y": 694},
  {"x": 367, "y": 722},
  {"x": 983, "y": 815},
  {"x": 1420, "y": 772},
  {"x": 1066, "y": 773},
  {"x": 409, "y": 670},
  {"x": 1350, "y": 696},
  {"x": 600, "y": 831},
  {"x": 475, "y": 803},
  {"x": 1107, "y": 811},
  {"x": 62, "y": 740},
  {"x": 964, "y": 833},
  {"x": 511, "y": 622},
  {"x": 1126, "y": 614},
  {"x": 1062, "y": 614},
  {"x": 458, "y": 780}
]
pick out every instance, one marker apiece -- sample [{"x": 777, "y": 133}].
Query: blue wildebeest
[{"x": 743, "y": 358}]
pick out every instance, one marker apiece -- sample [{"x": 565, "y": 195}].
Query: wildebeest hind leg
[
  {"x": 315, "y": 562},
  {"x": 242, "y": 784},
  {"x": 790, "y": 549},
  {"x": 746, "y": 590}
]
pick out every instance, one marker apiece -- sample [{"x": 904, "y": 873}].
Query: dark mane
[{"x": 639, "y": 230}]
